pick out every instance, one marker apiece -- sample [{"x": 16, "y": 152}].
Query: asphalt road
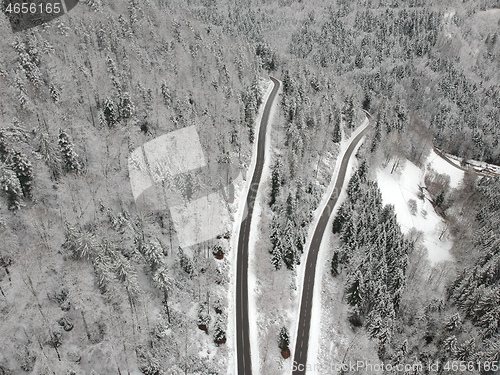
[
  {"x": 302, "y": 344},
  {"x": 242, "y": 324}
]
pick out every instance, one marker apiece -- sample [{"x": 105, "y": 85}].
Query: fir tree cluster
[
  {"x": 411, "y": 326},
  {"x": 16, "y": 173},
  {"x": 373, "y": 255},
  {"x": 476, "y": 291},
  {"x": 112, "y": 265}
]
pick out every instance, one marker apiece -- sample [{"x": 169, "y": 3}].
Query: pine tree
[
  {"x": 354, "y": 291},
  {"x": 275, "y": 181},
  {"x": 337, "y": 135},
  {"x": 277, "y": 246},
  {"x": 377, "y": 137},
  {"x": 341, "y": 218},
  {"x": 4, "y": 149},
  {"x": 124, "y": 271},
  {"x": 287, "y": 83},
  {"x": 10, "y": 184},
  {"x": 290, "y": 207},
  {"x": 104, "y": 273},
  {"x": 164, "y": 283},
  {"x": 354, "y": 186},
  {"x": 110, "y": 113},
  {"x": 203, "y": 316},
  {"x": 284, "y": 339},
  {"x": 185, "y": 263},
  {"x": 81, "y": 243},
  {"x": 49, "y": 154},
  {"x": 219, "y": 332},
  {"x": 349, "y": 111},
  {"x": 440, "y": 199},
  {"x": 22, "y": 167},
  {"x": 277, "y": 254},
  {"x": 335, "y": 264},
  {"x": 69, "y": 156},
  {"x": 367, "y": 101},
  {"x": 126, "y": 107},
  {"x": 290, "y": 254},
  {"x": 165, "y": 93}
]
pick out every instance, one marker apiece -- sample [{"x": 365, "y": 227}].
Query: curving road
[
  {"x": 302, "y": 342},
  {"x": 242, "y": 323}
]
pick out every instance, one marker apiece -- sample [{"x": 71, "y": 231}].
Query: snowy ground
[
  {"x": 441, "y": 166},
  {"x": 402, "y": 186}
]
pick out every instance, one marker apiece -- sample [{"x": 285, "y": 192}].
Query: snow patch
[
  {"x": 441, "y": 166},
  {"x": 401, "y": 187}
]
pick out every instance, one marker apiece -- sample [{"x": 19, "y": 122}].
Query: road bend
[
  {"x": 242, "y": 322},
  {"x": 304, "y": 325}
]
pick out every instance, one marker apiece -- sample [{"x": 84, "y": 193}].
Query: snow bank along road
[
  {"x": 304, "y": 324},
  {"x": 242, "y": 324}
]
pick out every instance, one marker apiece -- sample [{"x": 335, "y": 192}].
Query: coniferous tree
[
  {"x": 10, "y": 184},
  {"x": 49, "y": 154},
  {"x": 110, "y": 113},
  {"x": 69, "y": 156},
  {"x": 284, "y": 339},
  {"x": 22, "y": 167},
  {"x": 337, "y": 135},
  {"x": 185, "y": 263},
  {"x": 377, "y": 137},
  {"x": 334, "y": 266},
  {"x": 354, "y": 291},
  {"x": 275, "y": 181},
  {"x": 219, "y": 331},
  {"x": 4, "y": 150},
  {"x": 290, "y": 254},
  {"x": 349, "y": 111},
  {"x": 126, "y": 107}
]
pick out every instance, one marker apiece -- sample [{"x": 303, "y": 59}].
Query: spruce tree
[
  {"x": 4, "y": 150},
  {"x": 290, "y": 254},
  {"x": 277, "y": 246},
  {"x": 349, "y": 111},
  {"x": 22, "y": 167},
  {"x": 354, "y": 291},
  {"x": 10, "y": 184},
  {"x": 277, "y": 254},
  {"x": 110, "y": 113},
  {"x": 275, "y": 181},
  {"x": 377, "y": 137},
  {"x": 185, "y": 263},
  {"x": 126, "y": 107},
  {"x": 49, "y": 154},
  {"x": 337, "y": 135},
  {"x": 69, "y": 156},
  {"x": 284, "y": 339},
  {"x": 335, "y": 264},
  {"x": 219, "y": 332}
]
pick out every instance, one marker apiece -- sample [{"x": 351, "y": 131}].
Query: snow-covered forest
[{"x": 91, "y": 283}]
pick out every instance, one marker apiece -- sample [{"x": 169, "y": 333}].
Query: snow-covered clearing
[
  {"x": 242, "y": 187},
  {"x": 402, "y": 187}
]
